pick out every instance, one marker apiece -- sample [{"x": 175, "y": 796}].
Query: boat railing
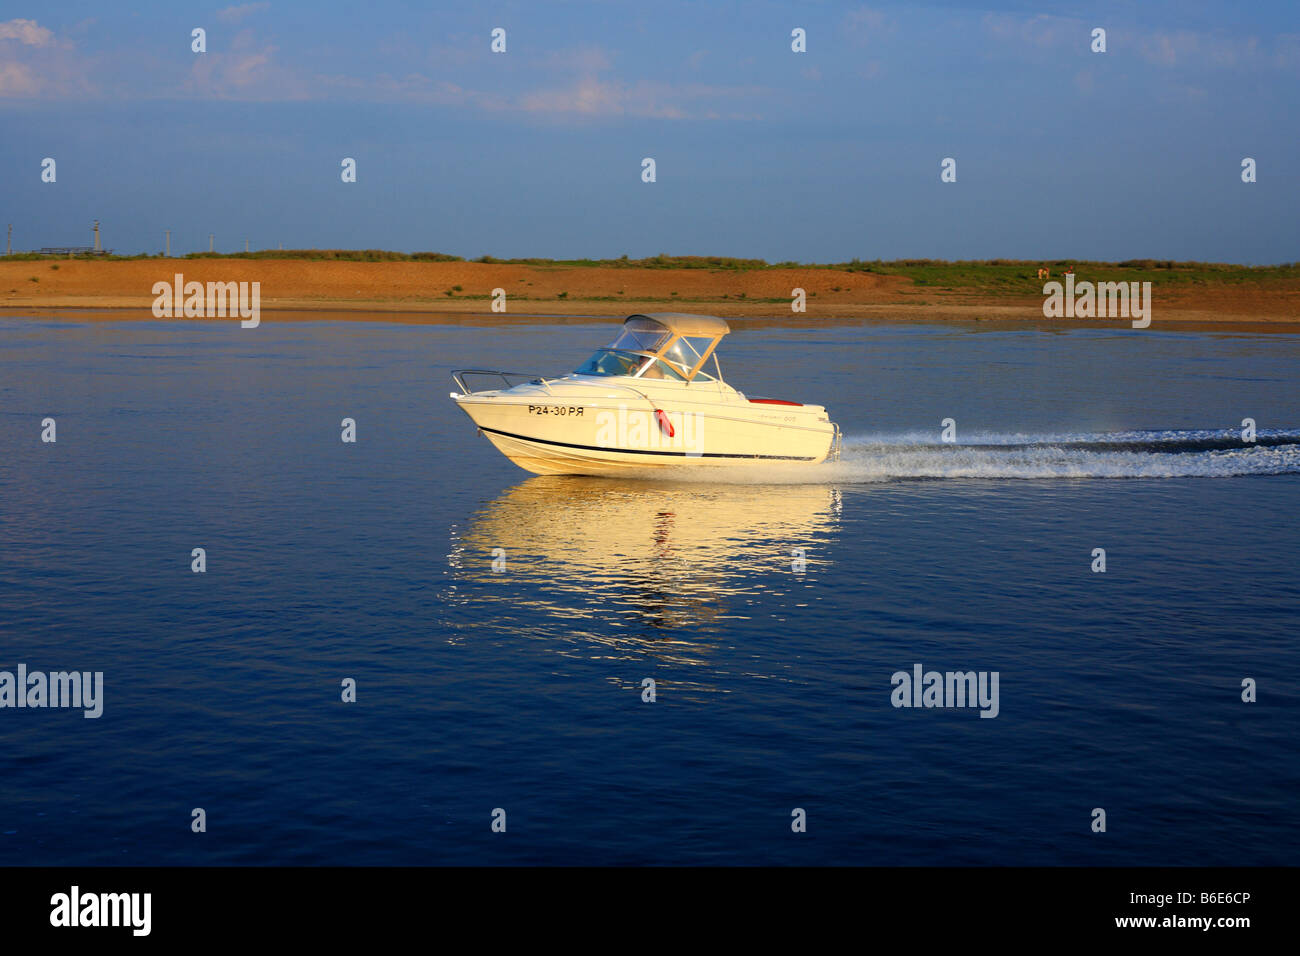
[
  {"x": 627, "y": 388},
  {"x": 457, "y": 376}
]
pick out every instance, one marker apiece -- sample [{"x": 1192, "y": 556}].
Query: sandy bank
[{"x": 464, "y": 288}]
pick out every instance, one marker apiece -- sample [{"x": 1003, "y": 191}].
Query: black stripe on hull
[{"x": 622, "y": 451}]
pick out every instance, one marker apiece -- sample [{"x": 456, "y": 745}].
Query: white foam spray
[{"x": 1135, "y": 455}]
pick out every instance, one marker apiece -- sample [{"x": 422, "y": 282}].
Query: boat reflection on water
[{"x": 639, "y": 567}]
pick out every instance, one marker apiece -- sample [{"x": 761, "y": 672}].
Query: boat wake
[{"x": 1135, "y": 454}]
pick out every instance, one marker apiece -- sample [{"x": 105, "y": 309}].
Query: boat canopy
[
  {"x": 665, "y": 345},
  {"x": 682, "y": 323}
]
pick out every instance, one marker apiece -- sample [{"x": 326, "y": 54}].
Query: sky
[{"x": 822, "y": 156}]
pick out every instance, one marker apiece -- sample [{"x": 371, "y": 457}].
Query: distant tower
[
  {"x": 98, "y": 248},
  {"x": 168, "y": 253},
  {"x": 210, "y": 238},
  {"x": 245, "y": 245},
  {"x": 9, "y": 243}
]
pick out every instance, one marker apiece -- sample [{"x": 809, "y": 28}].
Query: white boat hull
[{"x": 570, "y": 428}]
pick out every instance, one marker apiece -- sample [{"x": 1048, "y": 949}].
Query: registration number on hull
[{"x": 555, "y": 409}]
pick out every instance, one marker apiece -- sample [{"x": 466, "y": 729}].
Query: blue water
[{"x": 521, "y": 690}]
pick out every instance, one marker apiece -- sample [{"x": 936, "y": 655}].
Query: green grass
[
  {"x": 1001, "y": 276},
  {"x": 983, "y": 276},
  {"x": 992, "y": 274}
]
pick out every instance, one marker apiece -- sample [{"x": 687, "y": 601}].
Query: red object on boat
[
  {"x": 774, "y": 401},
  {"x": 665, "y": 425}
]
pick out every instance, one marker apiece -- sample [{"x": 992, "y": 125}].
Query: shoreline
[
  {"x": 978, "y": 318},
  {"x": 299, "y": 289}
]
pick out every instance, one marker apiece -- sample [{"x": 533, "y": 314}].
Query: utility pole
[
  {"x": 210, "y": 238},
  {"x": 168, "y": 253},
  {"x": 9, "y": 243}
]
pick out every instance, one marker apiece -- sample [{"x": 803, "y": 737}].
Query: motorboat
[{"x": 653, "y": 399}]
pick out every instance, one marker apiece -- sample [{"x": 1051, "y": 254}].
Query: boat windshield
[
  {"x": 631, "y": 365},
  {"x": 641, "y": 335},
  {"x": 643, "y": 350},
  {"x": 610, "y": 362}
]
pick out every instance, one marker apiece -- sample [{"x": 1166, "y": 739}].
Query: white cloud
[
  {"x": 1040, "y": 31},
  {"x": 591, "y": 96},
  {"x": 1185, "y": 48},
  {"x": 247, "y": 71},
  {"x": 17, "y": 80},
  {"x": 236, "y": 13},
  {"x": 1172, "y": 48},
  {"x": 578, "y": 82},
  {"x": 41, "y": 64},
  {"x": 26, "y": 31}
]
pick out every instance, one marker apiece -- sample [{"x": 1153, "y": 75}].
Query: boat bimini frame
[{"x": 652, "y": 345}]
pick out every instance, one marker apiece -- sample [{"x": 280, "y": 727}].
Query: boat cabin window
[
  {"x": 687, "y": 351},
  {"x": 657, "y": 368}
]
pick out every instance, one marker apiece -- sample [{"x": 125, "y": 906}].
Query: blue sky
[{"x": 822, "y": 156}]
